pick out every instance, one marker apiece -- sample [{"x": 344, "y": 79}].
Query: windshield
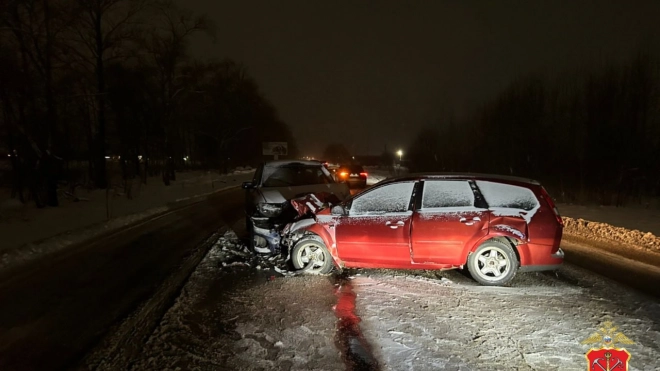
[{"x": 295, "y": 175}]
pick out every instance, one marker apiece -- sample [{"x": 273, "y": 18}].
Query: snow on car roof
[
  {"x": 496, "y": 177},
  {"x": 280, "y": 163}
]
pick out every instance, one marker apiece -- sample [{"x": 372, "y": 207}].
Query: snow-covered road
[
  {"x": 237, "y": 317},
  {"x": 445, "y": 321}
]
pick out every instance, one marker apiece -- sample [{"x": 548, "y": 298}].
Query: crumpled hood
[{"x": 314, "y": 203}]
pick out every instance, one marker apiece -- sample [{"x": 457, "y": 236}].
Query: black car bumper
[{"x": 266, "y": 235}]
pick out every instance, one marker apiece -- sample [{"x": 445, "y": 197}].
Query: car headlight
[{"x": 270, "y": 210}]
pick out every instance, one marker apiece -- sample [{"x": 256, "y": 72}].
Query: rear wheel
[
  {"x": 311, "y": 256},
  {"x": 493, "y": 263}
]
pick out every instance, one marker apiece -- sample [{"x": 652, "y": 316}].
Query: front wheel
[
  {"x": 311, "y": 256},
  {"x": 493, "y": 264}
]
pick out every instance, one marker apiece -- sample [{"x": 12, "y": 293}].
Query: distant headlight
[{"x": 270, "y": 210}]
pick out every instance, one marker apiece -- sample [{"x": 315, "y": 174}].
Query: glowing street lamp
[{"x": 400, "y": 153}]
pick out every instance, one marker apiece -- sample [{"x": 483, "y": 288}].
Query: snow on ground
[
  {"x": 237, "y": 313},
  {"x": 445, "y": 321},
  {"x": 28, "y": 232}
]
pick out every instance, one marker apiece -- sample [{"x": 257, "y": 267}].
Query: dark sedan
[
  {"x": 353, "y": 175},
  {"x": 275, "y": 183}
]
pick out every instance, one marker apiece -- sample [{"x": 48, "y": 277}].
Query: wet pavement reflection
[{"x": 356, "y": 352}]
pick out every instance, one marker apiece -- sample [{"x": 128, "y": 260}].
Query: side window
[
  {"x": 507, "y": 196},
  {"x": 447, "y": 193},
  {"x": 392, "y": 198}
]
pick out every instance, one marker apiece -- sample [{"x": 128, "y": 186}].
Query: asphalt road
[
  {"x": 57, "y": 310},
  {"x": 637, "y": 270}
]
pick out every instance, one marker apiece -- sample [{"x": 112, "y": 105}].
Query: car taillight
[
  {"x": 343, "y": 174},
  {"x": 363, "y": 174},
  {"x": 552, "y": 205}
]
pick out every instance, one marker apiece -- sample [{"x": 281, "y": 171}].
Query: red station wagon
[{"x": 495, "y": 225}]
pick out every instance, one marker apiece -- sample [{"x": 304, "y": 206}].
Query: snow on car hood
[{"x": 282, "y": 194}]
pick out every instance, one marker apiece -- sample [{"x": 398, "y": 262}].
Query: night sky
[{"x": 370, "y": 73}]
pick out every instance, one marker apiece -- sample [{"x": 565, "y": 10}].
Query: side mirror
[
  {"x": 338, "y": 210},
  {"x": 247, "y": 185}
]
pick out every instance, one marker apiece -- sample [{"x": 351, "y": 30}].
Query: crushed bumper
[
  {"x": 266, "y": 236},
  {"x": 557, "y": 260}
]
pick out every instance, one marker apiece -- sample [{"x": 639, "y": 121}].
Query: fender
[
  {"x": 328, "y": 236},
  {"x": 513, "y": 224},
  {"x": 494, "y": 233}
]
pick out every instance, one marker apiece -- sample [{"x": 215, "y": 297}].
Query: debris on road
[{"x": 234, "y": 252}]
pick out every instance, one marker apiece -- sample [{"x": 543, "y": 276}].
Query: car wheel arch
[
  {"x": 482, "y": 264},
  {"x": 319, "y": 233},
  {"x": 509, "y": 240}
]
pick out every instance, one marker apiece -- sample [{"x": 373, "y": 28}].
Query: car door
[
  {"x": 446, "y": 220},
  {"x": 376, "y": 231}
]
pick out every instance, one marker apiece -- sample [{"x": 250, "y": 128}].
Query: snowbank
[
  {"x": 642, "y": 219},
  {"x": 624, "y": 229},
  {"x": 633, "y": 239}
]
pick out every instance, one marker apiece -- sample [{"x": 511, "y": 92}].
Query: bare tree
[
  {"x": 101, "y": 33},
  {"x": 167, "y": 45},
  {"x": 34, "y": 27}
]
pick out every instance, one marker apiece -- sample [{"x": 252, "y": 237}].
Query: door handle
[
  {"x": 394, "y": 226},
  {"x": 471, "y": 222}
]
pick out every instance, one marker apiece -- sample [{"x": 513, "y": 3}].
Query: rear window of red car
[{"x": 499, "y": 195}]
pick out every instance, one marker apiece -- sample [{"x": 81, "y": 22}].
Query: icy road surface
[
  {"x": 233, "y": 316},
  {"x": 448, "y": 322}
]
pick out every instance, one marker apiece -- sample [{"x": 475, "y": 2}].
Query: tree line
[
  {"x": 92, "y": 90},
  {"x": 589, "y": 136}
]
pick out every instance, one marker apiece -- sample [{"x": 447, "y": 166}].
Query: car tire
[
  {"x": 493, "y": 263},
  {"x": 311, "y": 256}
]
